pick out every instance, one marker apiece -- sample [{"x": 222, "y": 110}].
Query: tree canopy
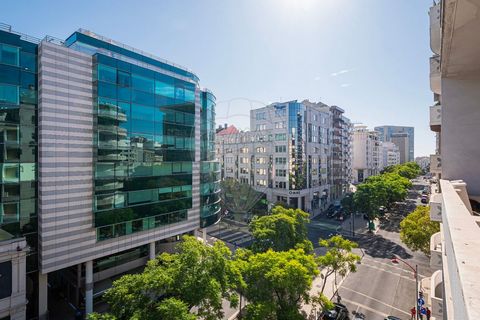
[
  {"x": 197, "y": 276},
  {"x": 276, "y": 283},
  {"x": 282, "y": 230},
  {"x": 416, "y": 229}
]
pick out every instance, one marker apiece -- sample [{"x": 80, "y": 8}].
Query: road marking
[
  {"x": 391, "y": 265},
  {"x": 388, "y": 271},
  {"x": 365, "y": 307},
  {"x": 379, "y": 301}
]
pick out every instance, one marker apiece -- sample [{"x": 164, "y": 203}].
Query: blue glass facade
[
  {"x": 145, "y": 134},
  {"x": 296, "y": 112},
  {"x": 209, "y": 168}
]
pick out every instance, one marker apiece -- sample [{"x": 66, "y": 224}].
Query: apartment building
[
  {"x": 403, "y": 137},
  {"x": 453, "y": 291},
  {"x": 119, "y": 147},
  {"x": 366, "y": 153},
  {"x": 288, "y": 154},
  {"x": 389, "y": 154}
]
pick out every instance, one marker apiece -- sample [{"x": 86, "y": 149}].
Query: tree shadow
[{"x": 377, "y": 246}]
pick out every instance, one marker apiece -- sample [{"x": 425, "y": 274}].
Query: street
[{"x": 379, "y": 287}]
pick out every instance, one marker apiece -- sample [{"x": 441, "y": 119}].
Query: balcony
[
  {"x": 435, "y": 30},
  {"x": 435, "y": 75},
  {"x": 436, "y": 251},
  {"x": 435, "y": 163},
  {"x": 436, "y": 294},
  {"x": 436, "y": 118},
  {"x": 436, "y": 207}
]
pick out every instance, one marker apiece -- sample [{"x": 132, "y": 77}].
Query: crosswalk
[{"x": 232, "y": 236}]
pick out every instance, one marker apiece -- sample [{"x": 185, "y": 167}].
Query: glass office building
[{"x": 123, "y": 143}]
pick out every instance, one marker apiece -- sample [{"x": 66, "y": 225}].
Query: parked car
[
  {"x": 424, "y": 199},
  {"x": 392, "y": 318},
  {"x": 340, "y": 312}
]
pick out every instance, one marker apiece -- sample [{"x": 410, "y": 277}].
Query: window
[
  {"x": 164, "y": 89},
  {"x": 259, "y": 127},
  {"x": 280, "y": 184},
  {"x": 9, "y": 94},
  {"x": 229, "y": 160},
  {"x": 28, "y": 61},
  {"x": 281, "y": 149},
  {"x": 9, "y": 54},
  {"x": 261, "y": 160},
  {"x": 244, "y": 170},
  {"x": 260, "y": 116},
  {"x": 124, "y": 79},
  {"x": 261, "y": 182},
  {"x": 280, "y": 125},
  {"x": 261, "y": 171},
  {"x": 107, "y": 74},
  {"x": 280, "y": 172},
  {"x": 280, "y": 137},
  {"x": 243, "y": 160},
  {"x": 142, "y": 83},
  {"x": 244, "y": 180},
  {"x": 280, "y": 112},
  {"x": 244, "y": 150},
  {"x": 260, "y": 149},
  {"x": 280, "y": 160}
]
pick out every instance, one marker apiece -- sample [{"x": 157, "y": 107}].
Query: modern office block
[
  {"x": 366, "y": 152},
  {"x": 125, "y": 159}
]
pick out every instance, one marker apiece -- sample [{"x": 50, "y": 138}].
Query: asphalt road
[{"x": 379, "y": 287}]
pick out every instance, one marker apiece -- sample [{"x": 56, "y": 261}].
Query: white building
[
  {"x": 366, "y": 153},
  {"x": 423, "y": 162},
  {"x": 453, "y": 291},
  {"x": 389, "y": 154},
  {"x": 288, "y": 154}
]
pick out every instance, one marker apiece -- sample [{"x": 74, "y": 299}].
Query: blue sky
[{"x": 369, "y": 57}]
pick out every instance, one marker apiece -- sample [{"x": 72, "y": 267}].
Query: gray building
[
  {"x": 288, "y": 154},
  {"x": 403, "y": 137}
]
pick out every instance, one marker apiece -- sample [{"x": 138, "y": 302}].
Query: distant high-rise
[{"x": 403, "y": 137}]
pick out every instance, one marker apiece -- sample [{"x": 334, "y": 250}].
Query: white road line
[
  {"x": 376, "y": 300},
  {"x": 391, "y": 265},
  {"x": 388, "y": 271},
  {"x": 383, "y": 315}
]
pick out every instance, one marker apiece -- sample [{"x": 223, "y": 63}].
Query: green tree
[
  {"x": 369, "y": 197},
  {"x": 416, "y": 229},
  {"x": 348, "y": 203},
  {"x": 283, "y": 230},
  {"x": 339, "y": 258},
  {"x": 197, "y": 276},
  {"x": 276, "y": 283}
]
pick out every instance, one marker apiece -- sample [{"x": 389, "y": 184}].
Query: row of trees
[
  {"x": 275, "y": 275},
  {"x": 382, "y": 190}
]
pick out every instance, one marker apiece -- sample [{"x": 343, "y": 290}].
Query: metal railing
[{"x": 26, "y": 37}]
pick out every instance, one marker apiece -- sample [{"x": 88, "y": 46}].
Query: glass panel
[
  {"x": 164, "y": 89},
  {"x": 124, "y": 79},
  {"x": 124, "y": 93},
  {"x": 10, "y": 173},
  {"x": 28, "y": 172},
  {"x": 142, "y": 83},
  {"x": 142, "y": 112},
  {"x": 143, "y": 98},
  {"x": 9, "y": 54},
  {"x": 107, "y": 90},
  {"x": 28, "y": 61},
  {"x": 105, "y": 170},
  {"x": 107, "y": 74},
  {"x": 9, "y": 74}
]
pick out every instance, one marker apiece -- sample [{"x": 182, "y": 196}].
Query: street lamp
[{"x": 396, "y": 260}]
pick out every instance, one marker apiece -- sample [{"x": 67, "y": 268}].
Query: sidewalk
[{"x": 331, "y": 288}]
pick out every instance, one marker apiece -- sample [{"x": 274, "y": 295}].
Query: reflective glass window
[
  {"x": 28, "y": 172},
  {"x": 124, "y": 79},
  {"x": 9, "y": 74},
  {"x": 104, "y": 170},
  {"x": 9, "y": 54},
  {"x": 142, "y": 126},
  {"x": 142, "y": 83},
  {"x": 9, "y": 94},
  {"x": 107, "y": 90},
  {"x": 28, "y": 61},
  {"x": 124, "y": 93},
  {"x": 141, "y": 112},
  {"x": 107, "y": 74},
  {"x": 143, "y": 97},
  {"x": 164, "y": 89}
]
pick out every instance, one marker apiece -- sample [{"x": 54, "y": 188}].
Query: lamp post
[{"x": 396, "y": 260}]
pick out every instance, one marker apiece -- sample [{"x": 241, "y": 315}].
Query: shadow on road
[{"x": 377, "y": 246}]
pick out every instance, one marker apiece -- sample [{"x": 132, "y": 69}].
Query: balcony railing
[
  {"x": 435, "y": 75},
  {"x": 435, "y": 118},
  {"x": 436, "y": 251},
  {"x": 436, "y": 294},
  {"x": 436, "y": 207},
  {"x": 435, "y": 31}
]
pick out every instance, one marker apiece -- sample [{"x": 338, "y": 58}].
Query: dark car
[
  {"x": 424, "y": 199},
  {"x": 340, "y": 312},
  {"x": 392, "y": 318}
]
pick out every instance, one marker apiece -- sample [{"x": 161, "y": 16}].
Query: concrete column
[
  {"x": 88, "y": 287},
  {"x": 152, "y": 250},
  {"x": 42, "y": 296},
  {"x": 204, "y": 234}
]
